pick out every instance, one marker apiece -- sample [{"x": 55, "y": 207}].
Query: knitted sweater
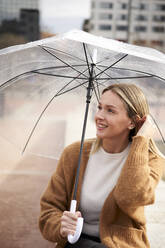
[{"x": 122, "y": 220}]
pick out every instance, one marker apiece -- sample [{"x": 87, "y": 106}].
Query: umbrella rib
[
  {"x": 113, "y": 78},
  {"x": 99, "y": 83},
  {"x": 109, "y": 77},
  {"x": 70, "y": 66},
  {"x": 74, "y": 78},
  {"x": 26, "y": 73},
  {"x": 3, "y": 84},
  {"x": 19, "y": 76},
  {"x": 45, "y": 108},
  {"x": 60, "y": 67},
  {"x": 55, "y": 75},
  {"x": 112, "y": 65},
  {"x": 86, "y": 57},
  {"x": 82, "y": 84},
  {"x": 102, "y": 61},
  {"x": 141, "y": 72},
  {"x": 106, "y": 59},
  {"x": 150, "y": 75},
  {"x": 126, "y": 69},
  {"x": 54, "y": 49}
]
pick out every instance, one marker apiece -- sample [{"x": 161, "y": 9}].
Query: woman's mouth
[{"x": 101, "y": 126}]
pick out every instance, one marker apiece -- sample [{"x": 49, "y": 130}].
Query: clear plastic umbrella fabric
[{"x": 43, "y": 87}]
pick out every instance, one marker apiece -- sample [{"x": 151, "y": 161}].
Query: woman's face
[{"x": 112, "y": 121}]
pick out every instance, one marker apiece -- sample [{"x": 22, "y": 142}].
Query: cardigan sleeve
[
  {"x": 55, "y": 199},
  {"x": 139, "y": 176}
]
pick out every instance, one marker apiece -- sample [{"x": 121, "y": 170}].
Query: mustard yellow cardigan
[{"x": 122, "y": 219}]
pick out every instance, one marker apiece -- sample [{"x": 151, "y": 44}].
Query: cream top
[{"x": 101, "y": 175}]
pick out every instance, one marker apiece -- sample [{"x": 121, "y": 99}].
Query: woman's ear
[
  {"x": 132, "y": 123},
  {"x": 131, "y": 126}
]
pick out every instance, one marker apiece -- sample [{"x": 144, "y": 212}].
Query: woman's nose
[{"x": 100, "y": 115}]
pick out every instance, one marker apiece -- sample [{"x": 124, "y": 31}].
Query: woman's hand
[
  {"x": 69, "y": 223},
  {"x": 145, "y": 127}
]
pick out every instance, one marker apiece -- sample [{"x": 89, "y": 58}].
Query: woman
[{"x": 119, "y": 172}]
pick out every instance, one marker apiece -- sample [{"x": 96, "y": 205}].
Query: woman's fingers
[
  {"x": 66, "y": 231},
  {"x": 70, "y": 216},
  {"x": 69, "y": 223},
  {"x": 147, "y": 129},
  {"x": 78, "y": 214},
  {"x": 140, "y": 121}
]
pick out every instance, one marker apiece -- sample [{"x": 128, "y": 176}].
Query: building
[
  {"x": 29, "y": 24},
  {"x": 135, "y": 21},
  {"x": 20, "y": 17},
  {"x": 10, "y": 9}
]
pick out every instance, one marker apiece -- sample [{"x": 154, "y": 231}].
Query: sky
[{"x": 59, "y": 16}]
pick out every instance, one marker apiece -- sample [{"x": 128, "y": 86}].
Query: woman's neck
[{"x": 114, "y": 146}]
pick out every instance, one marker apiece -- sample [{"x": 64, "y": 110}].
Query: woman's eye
[
  {"x": 99, "y": 107},
  {"x": 110, "y": 110}
]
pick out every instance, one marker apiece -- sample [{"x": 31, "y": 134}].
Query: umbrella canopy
[{"x": 43, "y": 87}]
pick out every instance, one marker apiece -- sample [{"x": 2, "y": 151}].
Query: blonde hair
[{"x": 136, "y": 105}]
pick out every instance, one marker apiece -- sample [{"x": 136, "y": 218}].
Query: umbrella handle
[{"x": 73, "y": 238}]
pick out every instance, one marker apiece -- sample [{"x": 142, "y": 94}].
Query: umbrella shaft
[{"x": 88, "y": 99}]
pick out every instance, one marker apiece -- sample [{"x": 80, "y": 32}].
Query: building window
[
  {"x": 105, "y": 16},
  {"x": 141, "y": 18},
  {"x": 105, "y": 27},
  {"x": 159, "y": 18},
  {"x": 122, "y": 28},
  {"x": 105, "y": 5},
  {"x": 124, "y": 5},
  {"x": 158, "y": 29},
  {"x": 142, "y": 6},
  {"x": 159, "y": 7},
  {"x": 123, "y": 17},
  {"x": 140, "y": 28}
]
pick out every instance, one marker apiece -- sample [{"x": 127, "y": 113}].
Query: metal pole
[{"x": 88, "y": 99}]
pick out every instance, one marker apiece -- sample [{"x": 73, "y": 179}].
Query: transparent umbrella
[{"x": 46, "y": 88}]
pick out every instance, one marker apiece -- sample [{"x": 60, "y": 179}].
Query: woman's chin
[{"x": 99, "y": 135}]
